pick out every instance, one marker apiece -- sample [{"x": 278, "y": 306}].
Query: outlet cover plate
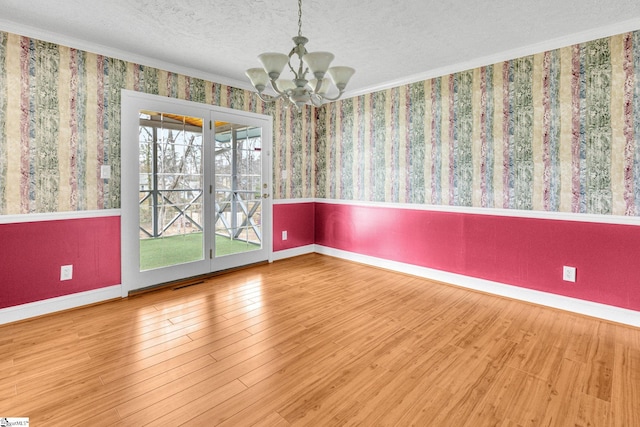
[
  {"x": 66, "y": 272},
  {"x": 568, "y": 274},
  {"x": 284, "y": 235},
  {"x": 105, "y": 172}
]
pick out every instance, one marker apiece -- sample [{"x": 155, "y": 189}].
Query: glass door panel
[
  {"x": 171, "y": 182},
  {"x": 238, "y": 188}
]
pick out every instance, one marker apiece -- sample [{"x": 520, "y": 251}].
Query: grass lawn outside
[{"x": 166, "y": 251}]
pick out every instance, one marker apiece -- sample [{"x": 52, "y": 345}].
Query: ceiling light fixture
[{"x": 299, "y": 91}]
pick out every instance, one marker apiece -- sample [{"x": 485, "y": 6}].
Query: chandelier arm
[
  {"x": 326, "y": 98},
  {"x": 268, "y": 98},
  {"x": 275, "y": 87},
  {"x": 292, "y": 70},
  {"x": 299, "y": 50},
  {"x": 301, "y": 72}
]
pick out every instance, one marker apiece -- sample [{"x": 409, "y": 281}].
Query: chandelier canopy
[{"x": 299, "y": 91}]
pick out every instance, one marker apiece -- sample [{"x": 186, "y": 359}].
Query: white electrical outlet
[
  {"x": 568, "y": 274},
  {"x": 284, "y": 235},
  {"x": 105, "y": 172},
  {"x": 66, "y": 272}
]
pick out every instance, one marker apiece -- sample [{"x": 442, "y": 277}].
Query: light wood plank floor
[{"x": 319, "y": 341}]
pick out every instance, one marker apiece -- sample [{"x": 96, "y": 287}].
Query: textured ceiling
[{"x": 386, "y": 42}]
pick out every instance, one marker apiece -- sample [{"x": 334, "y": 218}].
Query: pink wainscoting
[
  {"x": 523, "y": 252},
  {"x": 31, "y": 254},
  {"x": 298, "y": 219}
]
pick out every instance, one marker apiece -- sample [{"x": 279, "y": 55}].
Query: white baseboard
[
  {"x": 289, "y": 253},
  {"x": 588, "y": 308},
  {"x": 65, "y": 302}
]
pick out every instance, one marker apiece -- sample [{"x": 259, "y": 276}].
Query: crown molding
[
  {"x": 560, "y": 42},
  {"x": 52, "y": 37},
  {"x": 547, "y": 45}
]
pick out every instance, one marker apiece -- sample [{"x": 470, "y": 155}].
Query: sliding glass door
[{"x": 195, "y": 189}]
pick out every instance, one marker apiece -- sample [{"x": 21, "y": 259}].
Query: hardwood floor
[{"x": 314, "y": 340}]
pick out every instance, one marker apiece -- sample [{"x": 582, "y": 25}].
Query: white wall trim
[
  {"x": 587, "y": 308},
  {"x": 293, "y": 201},
  {"x": 52, "y": 305},
  {"x": 513, "y": 213},
  {"x": 557, "y": 43},
  {"x": 559, "y": 216},
  {"x": 49, "y": 36},
  {"x": 290, "y": 253},
  {"x": 55, "y": 216}
]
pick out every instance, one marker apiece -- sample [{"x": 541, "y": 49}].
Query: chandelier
[{"x": 299, "y": 91}]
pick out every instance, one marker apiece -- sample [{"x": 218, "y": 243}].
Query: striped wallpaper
[
  {"x": 557, "y": 131},
  {"x": 60, "y": 120}
]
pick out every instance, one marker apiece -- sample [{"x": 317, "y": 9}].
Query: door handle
[{"x": 265, "y": 196}]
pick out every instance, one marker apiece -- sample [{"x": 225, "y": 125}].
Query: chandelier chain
[{"x": 299, "y": 18}]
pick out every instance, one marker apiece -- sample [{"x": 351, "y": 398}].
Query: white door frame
[{"x": 132, "y": 103}]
